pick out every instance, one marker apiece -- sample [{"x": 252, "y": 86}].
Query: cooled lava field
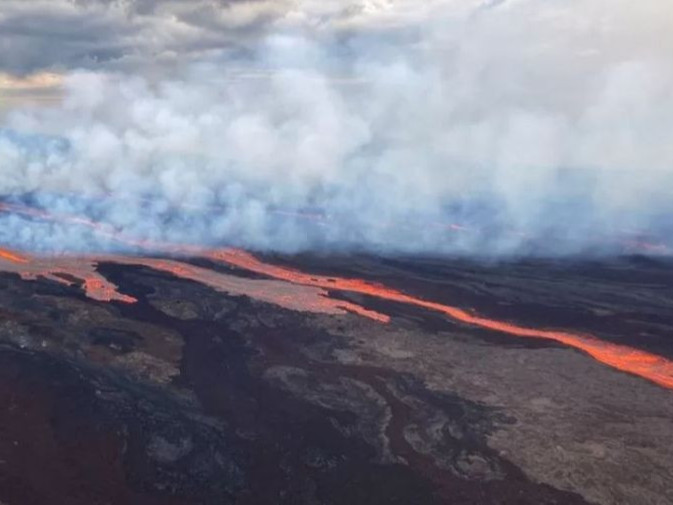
[{"x": 225, "y": 377}]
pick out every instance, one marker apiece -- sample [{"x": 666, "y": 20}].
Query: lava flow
[
  {"x": 68, "y": 269},
  {"x": 300, "y": 298},
  {"x": 64, "y": 270},
  {"x": 649, "y": 366},
  {"x": 13, "y": 257}
]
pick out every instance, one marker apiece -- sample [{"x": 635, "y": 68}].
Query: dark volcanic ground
[{"x": 191, "y": 396}]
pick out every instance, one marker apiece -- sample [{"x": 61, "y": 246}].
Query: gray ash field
[{"x": 196, "y": 396}]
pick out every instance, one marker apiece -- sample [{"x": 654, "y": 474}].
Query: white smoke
[{"x": 533, "y": 126}]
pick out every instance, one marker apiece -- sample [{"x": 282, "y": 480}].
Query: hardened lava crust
[{"x": 194, "y": 388}]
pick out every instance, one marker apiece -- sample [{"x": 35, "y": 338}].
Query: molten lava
[
  {"x": 83, "y": 268},
  {"x": 644, "y": 364},
  {"x": 62, "y": 270},
  {"x": 11, "y": 256},
  {"x": 300, "y": 298},
  {"x": 313, "y": 295}
]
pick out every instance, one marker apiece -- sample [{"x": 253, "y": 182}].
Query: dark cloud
[{"x": 63, "y": 34}]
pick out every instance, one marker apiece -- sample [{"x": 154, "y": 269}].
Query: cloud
[
  {"x": 532, "y": 127},
  {"x": 129, "y": 34}
]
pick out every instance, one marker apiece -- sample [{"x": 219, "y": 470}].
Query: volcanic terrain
[{"x": 218, "y": 376}]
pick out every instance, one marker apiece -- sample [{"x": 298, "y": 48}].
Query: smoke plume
[{"x": 516, "y": 127}]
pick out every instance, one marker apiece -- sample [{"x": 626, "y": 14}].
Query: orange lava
[
  {"x": 300, "y": 298},
  {"x": 649, "y": 366},
  {"x": 11, "y": 256},
  {"x": 102, "y": 290},
  {"x": 63, "y": 269}
]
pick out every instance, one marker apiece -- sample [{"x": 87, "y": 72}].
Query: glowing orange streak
[
  {"x": 313, "y": 302},
  {"x": 30, "y": 268},
  {"x": 104, "y": 291},
  {"x": 61, "y": 268},
  {"x": 649, "y": 366},
  {"x": 11, "y": 256}
]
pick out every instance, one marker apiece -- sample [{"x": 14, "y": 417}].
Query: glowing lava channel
[
  {"x": 649, "y": 366},
  {"x": 67, "y": 269},
  {"x": 646, "y": 365},
  {"x": 64, "y": 270}
]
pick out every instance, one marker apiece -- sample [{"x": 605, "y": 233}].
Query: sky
[
  {"x": 537, "y": 125},
  {"x": 130, "y": 34}
]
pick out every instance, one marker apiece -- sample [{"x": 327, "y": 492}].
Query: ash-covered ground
[{"x": 196, "y": 396}]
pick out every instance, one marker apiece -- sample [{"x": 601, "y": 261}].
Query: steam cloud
[{"x": 532, "y": 127}]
